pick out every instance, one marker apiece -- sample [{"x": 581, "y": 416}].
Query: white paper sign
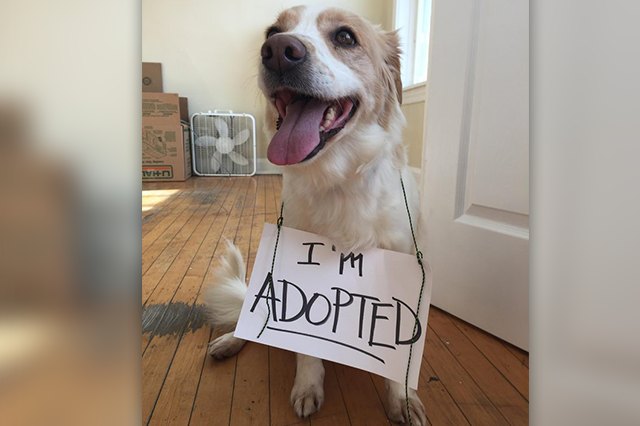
[{"x": 352, "y": 308}]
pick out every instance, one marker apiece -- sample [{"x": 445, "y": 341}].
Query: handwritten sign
[{"x": 357, "y": 309}]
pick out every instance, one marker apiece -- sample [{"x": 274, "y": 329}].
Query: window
[{"x": 412, "y": 19}]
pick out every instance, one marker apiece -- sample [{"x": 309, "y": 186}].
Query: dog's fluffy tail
[{"x": 224, "y": 297}]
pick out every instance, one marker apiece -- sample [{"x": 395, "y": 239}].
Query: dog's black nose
[{"x": 281, "y": 52}]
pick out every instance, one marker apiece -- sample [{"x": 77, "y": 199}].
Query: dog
[{"x": 332, "y": 81}]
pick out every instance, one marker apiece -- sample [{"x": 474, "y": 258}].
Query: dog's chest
[{"x": 350, "y": 220}]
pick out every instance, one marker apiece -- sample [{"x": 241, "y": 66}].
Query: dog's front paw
[
  {"x": 225, "y": 346},
  {"x": 307, "y": 398},
  {"x": 307, "y": 394},
  {"x": 398, "y": 405}
]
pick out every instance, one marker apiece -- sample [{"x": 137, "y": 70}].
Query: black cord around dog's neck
[
  {"x": 420, "y": 262},
  {"x": 424, "y": 276},
  {"x": 273, "y": 262}
]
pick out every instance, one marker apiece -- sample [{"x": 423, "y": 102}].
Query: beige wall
[
  {"x": 209, "y": 50},
  {"x": 413, "y": 105},
  {"x": 413, "y": 132}
]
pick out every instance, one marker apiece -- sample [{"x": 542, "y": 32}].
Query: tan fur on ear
[
  {"x": 392, "y": 59},
  {"x": 389, "y": 69}
]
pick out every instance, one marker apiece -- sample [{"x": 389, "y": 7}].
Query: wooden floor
[{"x": 467, "y": 376}]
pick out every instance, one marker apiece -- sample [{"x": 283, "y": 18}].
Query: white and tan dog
[{"x": 333, "y": 81}]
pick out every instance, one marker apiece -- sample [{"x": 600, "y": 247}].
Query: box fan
[{"x": 223, "y": 144}]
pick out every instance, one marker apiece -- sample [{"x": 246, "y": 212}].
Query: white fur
[
  {"x": 358, "y": 204},
  {"x": 307, "y": 394},
  {"x": 223, "y": 299},
  {"x": 351, "y": 193},
  {"x": 225, "y": 346},
  {"x": 225, "y": 296},
  {"x": 331, "y": 77},
  {"x": 397, "y": 404}
]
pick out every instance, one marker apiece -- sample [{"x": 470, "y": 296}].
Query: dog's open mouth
[{"x": 305, "y": 124}]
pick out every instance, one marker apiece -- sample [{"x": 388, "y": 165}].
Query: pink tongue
[{"x": 299, "y": 132}]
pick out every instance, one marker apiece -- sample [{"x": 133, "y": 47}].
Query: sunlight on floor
[{"x": 150, "y": 198}]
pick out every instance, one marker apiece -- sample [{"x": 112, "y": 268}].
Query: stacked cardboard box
[
  {"x": 166, "y": 148},
  {"x": 152, "y": 77}
]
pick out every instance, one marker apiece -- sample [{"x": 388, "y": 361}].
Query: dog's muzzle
[
  {"x": 282, "y": 52},
  {"x": 307, "y": 120}
]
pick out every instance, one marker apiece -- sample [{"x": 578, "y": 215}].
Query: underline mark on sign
[{"x": 327, "y": 340}]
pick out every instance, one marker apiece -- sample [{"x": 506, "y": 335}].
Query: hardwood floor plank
[
  {"x": 282, "y": 369},
  {"x": 360, "y": 397},
  {"x": 440, "y": 407},
  {"x": 157, "y": 259},
  {"x": 332, "y": 420},
  {"x": 156, "y": 240},
  {"x": 168, "y": 281},
  {"x": 251, "y": 394},
  {"x": 187, "y": 294},
  {"x": 195, "y": 344},
  {"x": 180, "y": 230},
  {"x": 163, "y": 216},
  {"x": 207, "y": 403},
  {"x": 250, "y": 404},
  {"x": 176, "y": 398},
  {"x": 512, "y": 368},
  {"x": 222, "y": 228},
  {"x": 475, "y": 405},
  {"x": 496, "y": 387},
  {"x": 333, "y": 408},
  {"x": 159, "y": 211},
  {"x": 159, "y": 355},
  {"x": 521, "y": 355},
  {"x": 212, "y": 405}
]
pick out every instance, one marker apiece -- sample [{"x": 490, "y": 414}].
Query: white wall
[{"x": 209, "y": 49}]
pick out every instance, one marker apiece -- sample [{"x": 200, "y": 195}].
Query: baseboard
[{"x": 265, "y": 167}]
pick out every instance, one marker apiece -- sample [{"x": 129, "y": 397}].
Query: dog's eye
[
  {"x": 344, "y": 37},
  {"x": 272, "y": 31}
]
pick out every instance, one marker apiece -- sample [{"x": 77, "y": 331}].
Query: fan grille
[{"x": 224, "y": 144}]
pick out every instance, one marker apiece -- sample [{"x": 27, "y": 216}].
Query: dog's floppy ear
[
  {"x": 389, "y": 45},
  {"x": 392, "y": 61}
]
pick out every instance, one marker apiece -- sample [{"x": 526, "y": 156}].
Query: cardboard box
[
  {"x": 166, "y": 145},
  {"x": 166, "y": 151},
  {"x": 184, "y": 109},
  {"x": 164, "y": 108},
  {"x": 152, "y": 77}
]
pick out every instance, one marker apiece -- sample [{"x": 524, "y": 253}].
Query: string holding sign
[
  {"x": 424, "y": 276},
  {"x": 269, "y": 278}
]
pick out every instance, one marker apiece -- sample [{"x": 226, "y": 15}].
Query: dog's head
[{"x": 328, "y": 75}]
